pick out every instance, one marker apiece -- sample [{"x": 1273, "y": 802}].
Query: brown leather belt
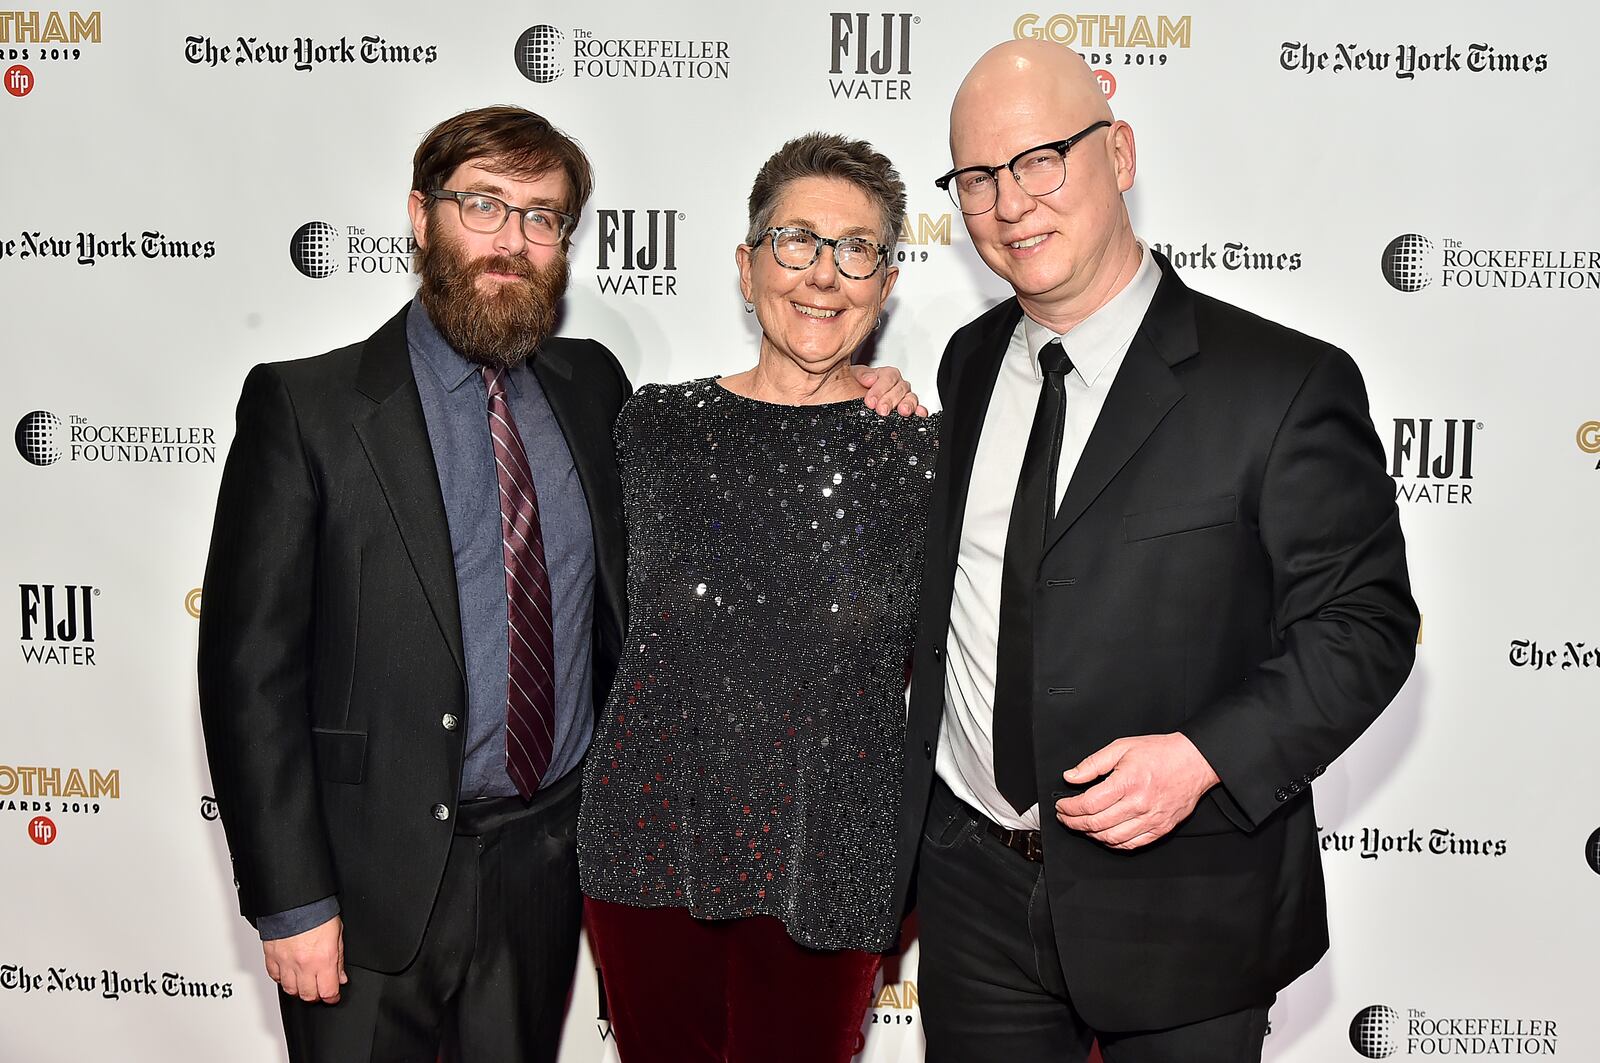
[{"x": 1026, "y": 842}]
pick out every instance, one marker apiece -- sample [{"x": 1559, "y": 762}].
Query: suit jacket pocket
[
  {"x": 1170, "y": 520},
  {"x": 1206, "y": 819},
  {"x": 341, "y": 755}
]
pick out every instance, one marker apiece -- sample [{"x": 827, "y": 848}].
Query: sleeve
[
  {"x": 1343, "y": 612},
  {"x": 297, "y": 920},
  {"x": 256, "y": 632}
]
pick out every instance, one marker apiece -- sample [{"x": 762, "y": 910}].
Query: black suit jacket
[
  {"x": 330, "y": 639},
  {"x": 1227, "y": 562}
]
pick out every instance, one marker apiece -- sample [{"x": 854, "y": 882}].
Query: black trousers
[
  {"x": 989, "y": 975},
  {"x": 490, "y": 982}
]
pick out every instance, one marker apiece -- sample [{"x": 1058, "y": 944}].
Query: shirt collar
[
  {"x": 1093, "y": 342},
  {"x": 449, "y": 366}
]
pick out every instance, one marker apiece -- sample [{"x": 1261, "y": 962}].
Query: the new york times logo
[
  {"x": 318, "y": 250},
  {"x": 58, "y": 623},
  {"x": 110, "y": 984},
  {"x": 208, "y": 808},
  {"x": 1379, "y": 1031},
  {"x": 638, "y": 252},
  {"x": 1560, "y": 657},
  {"x": 1431, "y": 459},
  {"x": 542, "y": 54},
  {"x": 871, "y": 55},
  {"x": 1232, "y": 255},
  {"x": 1408, "y": 60},
  {"x": 1591, "y": 852},
  {"x": 305, "y": 53},
  {"x": 87, "y": 249},
  {"x": 1410, "y": 263},
  {"x": 1370, "y": 843}
]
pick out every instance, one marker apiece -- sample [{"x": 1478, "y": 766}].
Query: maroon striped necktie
[{"x": 530, "y": 685}]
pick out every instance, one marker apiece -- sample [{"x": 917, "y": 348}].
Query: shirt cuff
[{"x": 297, "y": 920}]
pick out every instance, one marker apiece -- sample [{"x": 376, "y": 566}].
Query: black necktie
[{"x": 1030, "y": 514}]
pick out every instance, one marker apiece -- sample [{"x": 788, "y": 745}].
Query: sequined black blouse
[{"x": 748, "y": 760}]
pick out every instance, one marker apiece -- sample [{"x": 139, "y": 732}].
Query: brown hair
[
  {"x": 828, "y": 155},
  {"x": 513, "y": 140}
]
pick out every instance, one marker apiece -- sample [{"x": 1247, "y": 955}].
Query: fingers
[
  {"x": 1106, "y": 811},
  {"x": 1094, "y": 801},
  {"x": 329, "y": 979},
  {"x": 309, "y": 966},
  {"x": 1123, "y": 826},
  {"x": 312, "y": 981},
  {"x": 1101, "y": 762},
  {"x": 1139, "y": 842}
]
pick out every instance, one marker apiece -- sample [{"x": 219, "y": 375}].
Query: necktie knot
[
  {"x": 494, "y": 380},
  {"x": 1053, "y": 359}
]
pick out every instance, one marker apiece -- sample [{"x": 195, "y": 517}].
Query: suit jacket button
[
  {"x": 441, "y": 812},
  {"x": 927, "y": 749},
  {"x": 449, "y": 721},
  {"x": 938, "y": 653},
  {"x": 1281, "y": 794}
]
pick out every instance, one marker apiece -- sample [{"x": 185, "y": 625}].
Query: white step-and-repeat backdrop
[{"x": 193, "y": 187}]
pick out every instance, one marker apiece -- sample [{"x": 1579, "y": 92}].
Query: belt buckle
[{"x": 1027, "y": 842}]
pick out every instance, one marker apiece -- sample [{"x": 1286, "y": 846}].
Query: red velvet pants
[{"x": 684, "y": 990}]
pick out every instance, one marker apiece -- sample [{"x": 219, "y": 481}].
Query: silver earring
[{"x": 749, "y": 307}]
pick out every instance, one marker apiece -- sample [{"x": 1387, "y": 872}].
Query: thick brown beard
[{"x": 495, "y": 328}]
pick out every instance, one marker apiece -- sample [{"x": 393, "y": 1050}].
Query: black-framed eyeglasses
[
  {"x": 487, "y": 214},
  {"x": 1038, "y": 171},
  {"x": 795, "y": 248}
]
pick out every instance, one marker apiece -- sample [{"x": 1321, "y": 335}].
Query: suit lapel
[
  {"x": 1144, "y": 392},
  {"x": 973, "y": 382},
  {"x": 395, "y": 438},
  {"x": 588, "y": 434}
]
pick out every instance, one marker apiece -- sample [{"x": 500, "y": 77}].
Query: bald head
[
  {"x": 1046, "y": 80},
  {"x": 1067, "y": 251}
]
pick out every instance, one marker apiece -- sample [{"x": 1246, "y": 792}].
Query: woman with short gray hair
[{"x": 738, "y": 827}]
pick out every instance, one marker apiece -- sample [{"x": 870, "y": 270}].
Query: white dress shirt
[{"x": 1096, "y": 346}]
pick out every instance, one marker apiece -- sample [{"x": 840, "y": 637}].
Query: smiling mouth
[
  {"x": 815, "y": 311},
  {"x": 1032, "y": 241}
]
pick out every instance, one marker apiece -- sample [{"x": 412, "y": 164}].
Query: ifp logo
[
  {"x": 41, "y": 830},
  {"x": 19, "y": 80}
]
